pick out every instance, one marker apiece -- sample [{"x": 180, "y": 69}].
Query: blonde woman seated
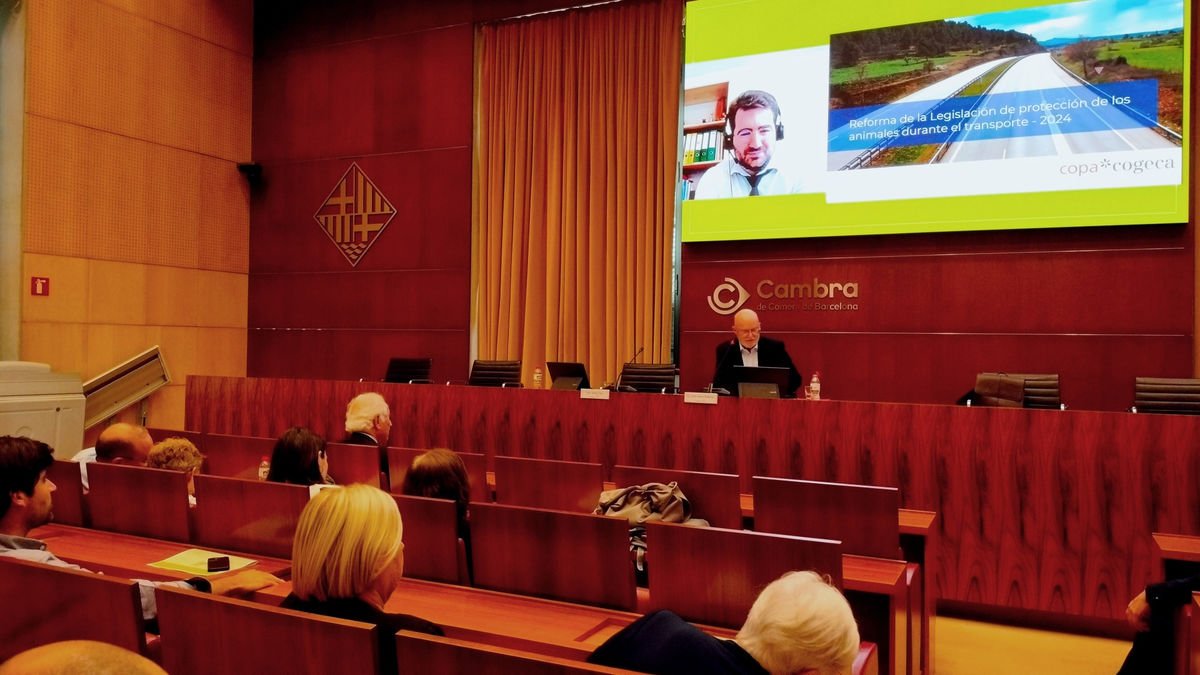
[
  {"x": 348, "y": 558},
  {"x": 177, "y": 454}
]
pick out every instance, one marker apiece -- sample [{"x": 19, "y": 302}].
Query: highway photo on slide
[{"x": 1056, "y": 81}]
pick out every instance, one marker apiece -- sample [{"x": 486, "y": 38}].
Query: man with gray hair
[
  {"x": 369, "y": 422},
  {"x": 798, "y": 624}
]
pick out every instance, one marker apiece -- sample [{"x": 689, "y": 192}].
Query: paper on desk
[{"x": 195, "y": 561}]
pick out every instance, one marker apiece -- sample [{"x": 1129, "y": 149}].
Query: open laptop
[
  {"x": 567, "y": 375},
  {"x": 761, "y": 381}
]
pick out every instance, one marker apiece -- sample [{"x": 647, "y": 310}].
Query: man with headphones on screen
[{"x": 751, "y": 128}]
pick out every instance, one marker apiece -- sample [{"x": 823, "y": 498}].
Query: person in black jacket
[
  {"x": 348, "y": 559},
  {"x": 749, "y": 348},
  {"x": 798, "y": 624},
  {"x": 1152, "y": 612},
  {"x": 369, "y": 422}
]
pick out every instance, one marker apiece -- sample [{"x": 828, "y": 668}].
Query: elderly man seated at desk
[{"x": 26, "y": 503}]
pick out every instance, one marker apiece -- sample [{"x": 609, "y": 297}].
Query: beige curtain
[{"x": 577, "y": 117}]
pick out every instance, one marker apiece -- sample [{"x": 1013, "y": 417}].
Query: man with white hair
[
  {"x": 798, "y": 624},
  {"x": 369, "y": 422}
]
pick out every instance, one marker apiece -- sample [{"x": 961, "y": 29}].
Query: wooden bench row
[
  {"x": 584, "y": 558},
  {"x": 241, "y": 515},
  {"x": 240, "y": 457},
  {"x": 201, "y": 634}
]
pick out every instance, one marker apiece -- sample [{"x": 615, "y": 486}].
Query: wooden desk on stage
[
  {"x": 1038, "y": 509},
  {"x": 128, "y": 556}
]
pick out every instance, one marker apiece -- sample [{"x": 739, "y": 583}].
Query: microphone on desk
[
  {"x": 617, "y": 385},
  {"x": 712, "y": 388}
]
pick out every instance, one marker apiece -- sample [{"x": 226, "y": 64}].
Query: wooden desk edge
[
  {"x": 873, "y": 575},
  {"x": 915, "y": 521},
  {"x": 912, "y": 521},
  {"x": 280, "y": 567},
  {"x": 1177, "y": 546}
]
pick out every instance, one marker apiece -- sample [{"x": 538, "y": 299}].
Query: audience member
[
  {"x": 348, "y": 558},
  {"x": 440, "y": 473},
  {"x": 299, "y": 458},
  {"x": 119, "y": 443},
  {"x": 369, "y": 422},
  {"x": 1152, "y": 612},
  {"x": 26, "y": 503},
  {"x": 750, "y": 348},
  {"x": 79, "y": 657},
  {"x": 178, "y": 454},
  {"x": 798, "y": 624}
]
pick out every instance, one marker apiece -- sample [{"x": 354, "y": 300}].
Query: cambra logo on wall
[
  {"x": 354, "y": 214},
  {"x": 814, "y": 296}
]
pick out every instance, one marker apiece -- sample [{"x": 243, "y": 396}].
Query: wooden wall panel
[
  {"x": 412, "y": 299},
  {"x": 387, "y": 86},
  {"x": 1038, "y": 509},
  {"x": 354, "y": 353},
  {"x": 133, "y": 205},
  {"x": 65, "y": 273},
  {"x": 1099, "y": 306},
  {"x": 431, "y": 228},
  {"x": 100, "y": 195},
  {"x": 403, "y": 92},
  {"x": 1098, "y": 291},
  {"x": 84, "y": 51},
  {"x": 1097, "y": 370}
]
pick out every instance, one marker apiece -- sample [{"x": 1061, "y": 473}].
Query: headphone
[{"x": 752, "y": 98}]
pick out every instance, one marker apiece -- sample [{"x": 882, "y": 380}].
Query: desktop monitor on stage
[
  {"x": 410, "y": 370},
  {"x": 567, "y": 375},
  {"x": 761, "y": 382}
]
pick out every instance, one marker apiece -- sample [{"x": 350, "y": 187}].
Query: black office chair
[
  {"x": 658, "y": 378},
  {"x": 495, "y": 374},
  {"x": 1172, "y": 396},
  {"x": 410, "y": 370}
]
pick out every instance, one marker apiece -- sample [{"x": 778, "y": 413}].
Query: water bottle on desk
[
  {"x": 537, "y": 378},
  {"x": 814, "y": 387},
  {"x": 264, "y": 468}
]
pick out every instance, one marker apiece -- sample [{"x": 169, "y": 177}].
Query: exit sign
[{"x": 39, "y": 285}]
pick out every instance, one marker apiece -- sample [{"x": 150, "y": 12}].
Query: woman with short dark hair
[{"x": 299, "y": 458}]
